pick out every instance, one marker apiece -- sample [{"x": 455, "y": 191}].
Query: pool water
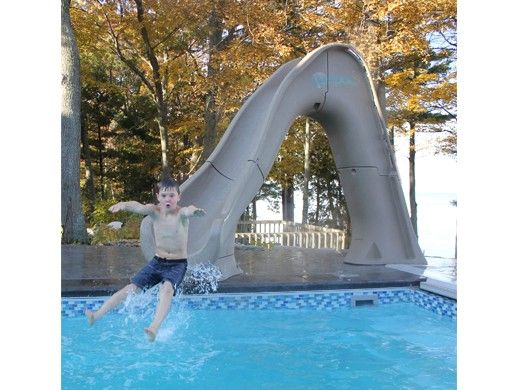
[{"x": 391, "y": 346}]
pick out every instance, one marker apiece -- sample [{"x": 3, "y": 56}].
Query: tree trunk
[
  {"x": 411, "y": 166},
  {"x": 163, "y": 133},
  {"x": 381, "y": 96},
  {"x": 332, "y": 210},
  {"x": 288, "y": 202},
  {"x": 348, "y": 226},
  {"x": 318, "y": 204},
  {"x": 157, "y": 88},
  {"x": 306, "y": 171},
  {"x": 72, "y": 218},
  {"x": 456, "y": 246},
  {"x": 193, "y": 161},
  {"x": 210, "y": 109},
  {"x": 391, "y": 136},
  {"x": 253, "y": 217},
  {"x": 210, "y": 131},
  {"x": 100, "y": 162},
  {"x": 89, "y": 175}
]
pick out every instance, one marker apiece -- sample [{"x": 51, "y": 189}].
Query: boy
[{"x": 170, "y": 226}]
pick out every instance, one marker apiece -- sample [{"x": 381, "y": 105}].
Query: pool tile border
[{"x": 316, "y": 300}]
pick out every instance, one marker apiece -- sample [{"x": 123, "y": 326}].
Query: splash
[
  {"x": 139, "y": 309},
  {"x": 140, "y": 305},
  {"x": 201, "y": 279}
]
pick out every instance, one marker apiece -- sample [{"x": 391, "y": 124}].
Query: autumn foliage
[{"x": 161, "y": 81}]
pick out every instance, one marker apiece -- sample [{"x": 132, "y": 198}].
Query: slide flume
[{"x": 332, "y": 85}]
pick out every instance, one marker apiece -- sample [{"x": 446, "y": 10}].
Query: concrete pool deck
[{"x": 101, "y": 270}]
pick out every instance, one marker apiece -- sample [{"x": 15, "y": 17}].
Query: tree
[
  {"x": 306, "y": 170},
  {"x": 210, "y": 56},
  {"x": 216, "y": 29},
  {"x": 149, "y": 42},
  {"x": 418, "y": 88},
  {"x": 330, "y": 208},
  {"x": 89, "y": 176},
  {"x": 288, "y": 166},
  {"x": 398, "y": 41},
  {"x": 72, "y": 218}
]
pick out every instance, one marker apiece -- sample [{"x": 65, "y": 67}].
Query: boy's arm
[
  {"x": 192, "y": 211},
  {"x": 133, "y": 207}
]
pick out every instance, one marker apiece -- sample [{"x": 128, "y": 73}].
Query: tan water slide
[{"x": 331, "y": 85}]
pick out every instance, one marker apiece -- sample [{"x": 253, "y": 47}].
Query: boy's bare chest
[{"x": 170, "y": 225}]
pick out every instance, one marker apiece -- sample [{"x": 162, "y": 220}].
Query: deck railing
[{"x": 290, "y": 234}]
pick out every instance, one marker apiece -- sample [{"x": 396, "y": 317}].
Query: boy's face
[{"x": 168, "y": 198}]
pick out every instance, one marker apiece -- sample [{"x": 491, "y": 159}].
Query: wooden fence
[{"x": 290, "y": 234}]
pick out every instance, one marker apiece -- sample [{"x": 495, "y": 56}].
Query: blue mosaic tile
[
  {"x": 268, "y": 301},
  {"x": 435, "y": 303}
]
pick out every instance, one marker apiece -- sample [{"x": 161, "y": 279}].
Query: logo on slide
[{"x": 320, "y": 80}]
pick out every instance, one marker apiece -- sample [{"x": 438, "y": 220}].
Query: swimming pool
[{"x": 300, "y": 340}]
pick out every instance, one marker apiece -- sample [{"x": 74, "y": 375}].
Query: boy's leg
[
  {"x": 110, "y": 303},
  {"x": 165, "y": 300}
]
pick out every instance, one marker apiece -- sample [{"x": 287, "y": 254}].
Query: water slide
[{"x": 332, "y": 85}]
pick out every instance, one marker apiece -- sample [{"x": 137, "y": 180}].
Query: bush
[
  {"x": 104, "y": 234},
  {"x": 130, "y": 228},
  {"x": 101, "y": 215}
]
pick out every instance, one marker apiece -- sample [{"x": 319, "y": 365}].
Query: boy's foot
[
  {"x": 90, "y": 317},
  {"x": 150, "y": 333}
]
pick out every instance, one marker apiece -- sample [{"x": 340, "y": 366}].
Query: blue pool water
[{"x": 388, "y": 346}]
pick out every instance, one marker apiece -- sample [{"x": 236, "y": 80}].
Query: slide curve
[{"x": 332, "y": 85}]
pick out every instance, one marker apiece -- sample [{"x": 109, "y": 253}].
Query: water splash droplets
[
  {"x": 139, "y": 305},
  {"x": 201, "y": 279}
]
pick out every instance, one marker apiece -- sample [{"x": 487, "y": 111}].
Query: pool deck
[{"x": 102, "y": 270}]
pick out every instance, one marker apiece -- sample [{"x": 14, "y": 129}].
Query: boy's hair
[{"x": 168, "y": 182}]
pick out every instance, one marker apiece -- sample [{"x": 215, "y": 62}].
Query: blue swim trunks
[{"x": 159, "y": 270}]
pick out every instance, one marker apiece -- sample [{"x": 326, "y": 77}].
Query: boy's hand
[
  {"x": 199, "y": 212},
  {"x": 117, "y": 207}
]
